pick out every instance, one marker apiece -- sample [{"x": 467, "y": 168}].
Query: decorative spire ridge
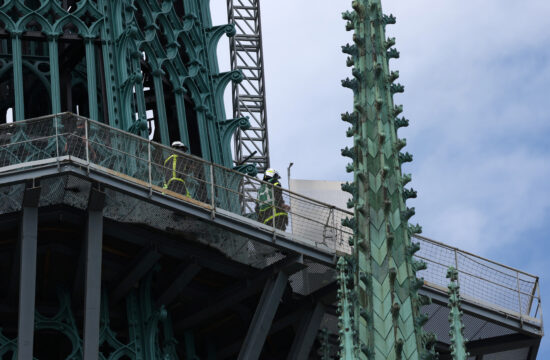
[{"x": 458, "y": 343}]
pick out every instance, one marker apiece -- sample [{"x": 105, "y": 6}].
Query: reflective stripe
[
  {"x": 174, "y": 174},
  {"x": 276, "y": 214},
  {"x": 265, "y": 208},
  {"x": 187, "y": 193},
  {"x": 174, "y": 164}
]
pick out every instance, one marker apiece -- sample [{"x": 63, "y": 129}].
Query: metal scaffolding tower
[{"x": 246, "y": 53}]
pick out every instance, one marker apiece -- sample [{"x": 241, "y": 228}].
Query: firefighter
[
  {"x": 175, "y": 166},
  {"x": 271, "y": 206}
]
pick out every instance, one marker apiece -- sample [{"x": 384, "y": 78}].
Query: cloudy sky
[{"x": 477, "y": 93}]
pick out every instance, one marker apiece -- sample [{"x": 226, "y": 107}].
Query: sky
[{"x": 477, "y": 94}]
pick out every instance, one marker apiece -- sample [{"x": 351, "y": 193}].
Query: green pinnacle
[
  {"x": 345, "y": 321},
  {"x": 458, "y": 347},
  {"x": 384, "y": 303}
]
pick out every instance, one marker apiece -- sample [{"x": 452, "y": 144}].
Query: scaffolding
[{"x": 249, "y": 96}]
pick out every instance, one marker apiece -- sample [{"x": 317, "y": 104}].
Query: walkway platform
[{"x": 67, "y": 156}]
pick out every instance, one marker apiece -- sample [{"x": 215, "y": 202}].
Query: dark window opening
[
  {"x": 7, "y": 99},
  {"x": 179, "y": 8},
  {"x": 51, "y": 345},
  {"x": 192, "y": 127},
  {"x": 171, "y": 111},
  {"x": 73, "y": 77},
  {"x": 37, "y": 102}
]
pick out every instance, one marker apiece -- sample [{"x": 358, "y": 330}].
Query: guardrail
[
  {"x": 170, "y": 172},
  {"x": 203, "y": 183},
  {"x": 482, "y": 281}
]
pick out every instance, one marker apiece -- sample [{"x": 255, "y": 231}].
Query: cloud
[{"x": 476, "y": 75}]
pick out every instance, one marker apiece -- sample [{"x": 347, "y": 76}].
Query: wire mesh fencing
[
  {"x": 173, "y": 173},
  {"x": 481, "y": 280}
]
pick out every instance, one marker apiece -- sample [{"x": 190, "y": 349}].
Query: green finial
[
  {"x": 458, "y": 347},
  {"x": 386, "y": 310}
]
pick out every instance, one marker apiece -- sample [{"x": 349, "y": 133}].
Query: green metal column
[
  {"x": 182, "y": 117},
  {"x": 17, "y": 55},
  {"x": 161, "y": 108},
  {"x": 54, "y": 74},
  {"x": 91, "y": 78}
]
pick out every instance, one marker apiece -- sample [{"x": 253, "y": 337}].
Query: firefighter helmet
[
  {"x": 271, "y": 173},
  {"x": 179, "y": 145}
]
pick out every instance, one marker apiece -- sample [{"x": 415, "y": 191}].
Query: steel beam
[
  {"x": 263, "y": 317},
  {"x": 236, "y": 293},
  {"x": 500, "y": 344},
  {"x": 177, "y": 286},
  {"x": 480, "y": 312},
  {"x": 325, "y": 295},
  {"x": 305, "y": 336},
  {"x": 144, "y": 262},
  {"x": 27, "y": 273},
  {"x": 533, "y": 351},
  {"x": 92, "y": 300}
]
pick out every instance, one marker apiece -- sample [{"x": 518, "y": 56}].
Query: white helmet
[
  {"x": 271, "y": 173},
  {"x": 179, "y": 145}
]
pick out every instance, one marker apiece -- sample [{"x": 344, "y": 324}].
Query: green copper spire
[
  {"x": 458, "y": 347},
  {"x": 386, "y": 311}
]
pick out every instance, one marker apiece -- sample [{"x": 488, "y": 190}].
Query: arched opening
[
  {"x": 51, "y": 345},
  {"x": 36, "y": 89},
  {"x": 192, "y": 126},
  {"x": 171, "y": 111},
  {"x": 72, "y": 71},
  {"x": 6, "y": 93}
]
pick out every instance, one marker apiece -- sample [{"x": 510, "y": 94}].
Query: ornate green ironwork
[
  {"x": 145, "y": 322},
  {"x": 458, "y": 343},
  {"x": 386, "y": 310},
  {"x": 118, "y": 62}
]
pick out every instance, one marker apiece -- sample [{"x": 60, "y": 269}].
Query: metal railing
[
  {"x": 482, "y": 281},
  {"x": 170, "y": 172},
  {"x": 26, "y": 143}
]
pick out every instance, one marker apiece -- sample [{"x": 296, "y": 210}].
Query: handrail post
[
  {"x": 456, "y": 267},
  {"x": 532, "y": 297},
  {"x": 212, "y": 192},
  {"x": 56, "y": 140},
  {"x": 539, "y": 305},
  {"x": 86, "y": 143},
  {"x": 149, "y": 166},
  {"x": 519, "y": 300},
  {"x": 274, "y": 210}
]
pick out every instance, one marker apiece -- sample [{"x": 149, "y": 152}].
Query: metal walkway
[{"x": 502, "y": 305}]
